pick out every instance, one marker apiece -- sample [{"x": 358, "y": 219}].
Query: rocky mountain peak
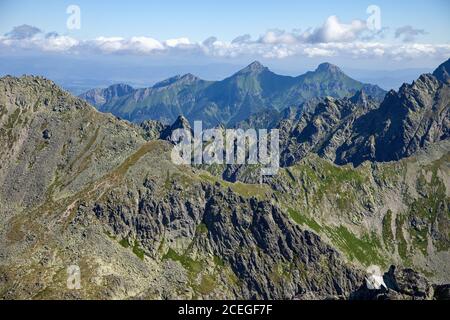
[
  {"x": 254, "y": 67},
  {"x": 180, "y": 123},
  {"x": 360, "y": 97},
  {"x": 100, "y": 95},
  {"x": 187, "y": 78},
  {"x": 328, "y": 67},
  {"x": 442, "y": 72},
  {"x": 167, "y": 82},
  {"x": 120, "y": 89}
]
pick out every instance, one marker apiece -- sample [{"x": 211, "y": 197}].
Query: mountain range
[
  {"x": 251, "y": 90},
  {"x": 364, "y": 181}
]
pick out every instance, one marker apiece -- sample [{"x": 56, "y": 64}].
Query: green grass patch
[
  {"x": 13, "y": 119},
  {"x": 201, "y": 229},
  {"x": 246, "y": 190},
  {"x": 388, "y": 236},
  {"x": 41, "y": 146},
  {"x": 207, "y": 285},
  {"x": 138, "y": 251},
  {"x": 218, "y": 261},
  {"x": 304, "y": 220},
  {"x": 193, "y": 266},
  {"x": 124, "y": 243},
  {"x": 365, "y": 249},
  {"x": 402, "y": 246},
  {"x": 321, "y": 179}
]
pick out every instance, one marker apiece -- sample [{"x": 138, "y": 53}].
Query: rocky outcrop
[
  {"x": 442, "y": 73},
  {"x": 442, "y": 292},
  {"x": 415, "y": 117},
  {"x": 399, "y": 284},
  {"x": 180, "y": 123},
  {"x": 324, "y": 129},
  {"x": 153, "y": 129}
]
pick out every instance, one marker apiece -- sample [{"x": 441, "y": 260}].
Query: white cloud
[
  {"x": 109, "y": 44},
  {"x": 318, "y": 52},
  {"x": 333, "y": 38},
  {"x": 113, "y": 45},
  {"x": 143, "y": 44},
  {"x": 335, "y": 31},
  {"x": 179, "y": 42},
  {"x": 408, "y": 33},
  {"x": 246, "y": 38},
  {"x": 331, "y": 31},
  {"x": 37, "y": 41},
  {"x": 58, "y": 43},
  {"x": 278, "y": 37}
]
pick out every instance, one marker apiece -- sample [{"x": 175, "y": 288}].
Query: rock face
[
  {"x": 275, "y": 258},
  {"x": 408, "y": 282},
  {"x": 401, "y": 284},
  {"x": 251, "y": 90},
  {"x": 153, "y": 129},
  {"x": 442, "y": 292},
  {"x": 442, "y": 73},
  {"x": 324, "y": 129},
  {"x": 180, "y": 123}
]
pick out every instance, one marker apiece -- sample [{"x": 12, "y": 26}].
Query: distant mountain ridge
[
  {"x": 358, "y": 128},
  {"x": 112, "y": 93},
  {"x": 229, "y": 101}
]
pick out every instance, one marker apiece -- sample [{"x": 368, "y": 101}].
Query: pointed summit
[
  {"x": 120, "y": 89},
  {"x": 360, "y": 97},
  {"x": 254, "y": 67},
  {"x": 180, "y": 123},
  {"x": 442, "y": 73},
  {"x": 189, "y": 77},
  {"x": 328, "y": 67},
  {"x": 184, "y": 79}
]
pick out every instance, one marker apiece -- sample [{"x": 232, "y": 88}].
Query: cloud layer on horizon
[
  {"x": 408, "y": 33},
  {"x": 332, "y": 39}
]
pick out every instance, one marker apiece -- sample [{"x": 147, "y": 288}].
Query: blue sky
[
  {"x": 212, "y": 38},
  {"x": 223, "y": 19}
]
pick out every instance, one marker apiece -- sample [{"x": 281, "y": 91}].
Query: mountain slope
[
  {"x": 100, "y": 97},
  {"x": 165, "y": 101},
  {"x": 249, "y": 91}
]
